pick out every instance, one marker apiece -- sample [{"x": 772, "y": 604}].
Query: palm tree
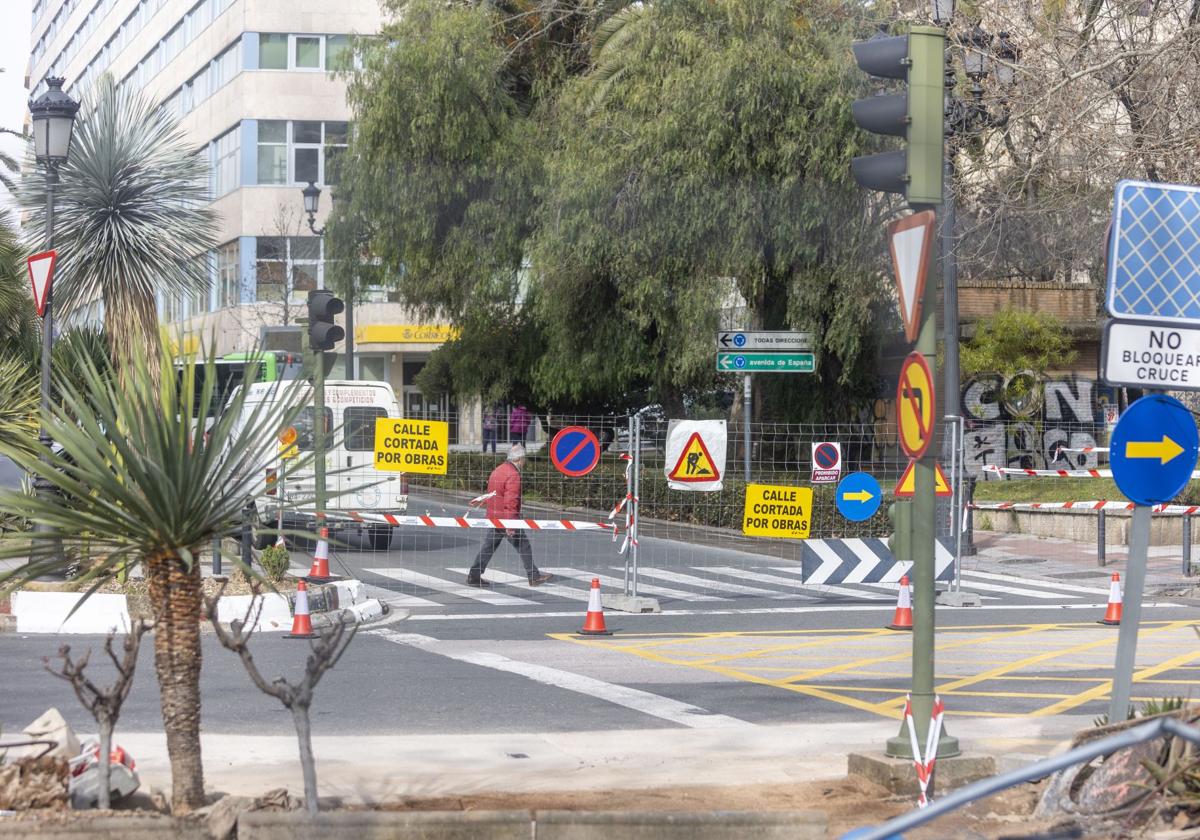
[
  {"x": 155, "y": 495},
  {"x": 132, "y": 217}
]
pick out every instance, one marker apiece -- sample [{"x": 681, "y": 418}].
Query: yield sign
[
  {"x": 911, "y": 241},
  {"x": 41, "y": 273}
]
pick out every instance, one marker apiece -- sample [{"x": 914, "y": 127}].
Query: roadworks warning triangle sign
[
  {"x": 695, "y": 464},
  {"x": 907, "y": 484}
]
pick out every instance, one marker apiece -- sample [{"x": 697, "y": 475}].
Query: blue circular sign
[
  {"x": 739, "y": 340},
  {"x": 575, "y": 452},
  {"x": 859, "y": 496},
  {"x": 1153, "y": 449},
  {"x": 826, "y": 456},
  {"x": 739, "y": 361}
]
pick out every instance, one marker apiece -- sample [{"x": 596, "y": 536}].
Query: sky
[{"x": 14, "y": 54}]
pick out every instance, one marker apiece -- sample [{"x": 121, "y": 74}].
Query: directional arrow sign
[
  {"x": 41, "y": 274},
  {"x": 911, "y": 241},
  {"x": 858, "y": 496},
  {"x": 776, "y": 340},
  {"x": 1161, "y": 450},
  {"x": 1153, "y": 449},
  {"x": 766, "y": 362}
]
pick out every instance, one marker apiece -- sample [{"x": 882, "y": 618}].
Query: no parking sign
[
  {"x": 826, "y": 463},
  {"x": 575, "y": 451}
]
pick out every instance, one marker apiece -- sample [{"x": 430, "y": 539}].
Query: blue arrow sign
[
  {"x": 1153, "y": 449},
  {"x": 858, "y": 496}
]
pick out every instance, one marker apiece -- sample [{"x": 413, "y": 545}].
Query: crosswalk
[{"x": 436, "y": 588}]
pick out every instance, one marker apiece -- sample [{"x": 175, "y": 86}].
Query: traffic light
[
  {"x": 323, "y": 333},
  {"x": 916, "y": 114}
]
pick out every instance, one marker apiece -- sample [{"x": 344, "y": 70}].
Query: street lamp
[
  {"x": 943, "y": 12},
  {"x": 53, "y": 118},
  {"x": 977, "y": 57},
  {"x": 312, "y": 201},
  {"x": 1007, "y": 55}
]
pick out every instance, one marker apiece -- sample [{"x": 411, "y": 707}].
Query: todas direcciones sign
[
  {"x": 412, "y": 446},
  {"x": 777, "y": 511}
]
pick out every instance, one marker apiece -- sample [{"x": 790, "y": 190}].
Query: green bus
[{"x": 234, "y": 368}]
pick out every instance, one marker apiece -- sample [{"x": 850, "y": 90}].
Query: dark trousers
[
  {"x": 489, "y": 439},
  {"x": 492, "y": 541}
]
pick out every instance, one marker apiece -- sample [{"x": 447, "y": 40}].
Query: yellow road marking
[{"x": 1105, "y": 687}]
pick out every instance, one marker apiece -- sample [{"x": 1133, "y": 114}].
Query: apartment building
[{"x": 252, "y": 83}]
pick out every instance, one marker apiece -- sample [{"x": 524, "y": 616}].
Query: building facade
[{"x": 253, "y": 84}]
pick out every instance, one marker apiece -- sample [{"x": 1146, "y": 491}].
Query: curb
[
  {"x": 142, "y": 827},
  {"x": 47, "y": 612}
]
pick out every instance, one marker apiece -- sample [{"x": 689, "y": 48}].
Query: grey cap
[{"x": 516, "y": 452}]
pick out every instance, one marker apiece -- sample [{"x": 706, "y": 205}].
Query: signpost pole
[
  {"x": 318, "y": 430},
  {"x": 747, "y": 395},
  {"x": 924, "y": 569},
  {"x": 1135, "y": 583}
]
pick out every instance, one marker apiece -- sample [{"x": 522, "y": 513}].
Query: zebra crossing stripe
[
  {"x": 862, "y": 561},
  {"x": 457, "y": 589}
]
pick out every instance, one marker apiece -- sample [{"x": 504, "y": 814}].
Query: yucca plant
[
  {"x": 18, "y": 404},
  {"x": 132, "y": 217},
  {"x": 141, "y": 480},
  {"x": 18, "y": 319}
]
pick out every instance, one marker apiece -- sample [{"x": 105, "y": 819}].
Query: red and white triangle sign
[
  {"x": 911, "y": 241},
  {"x": 41, "y": 274}
]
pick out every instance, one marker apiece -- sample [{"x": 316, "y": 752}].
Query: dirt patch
[{"x": 848, "y": 803}]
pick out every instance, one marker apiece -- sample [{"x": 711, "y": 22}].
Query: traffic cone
[
  {"x": 319, "y": 573},
  {"x": 593, "y": 624},
  {"x": 1112, "y": 615},
  {"x": 902, "y": 620},
  {"x": 301, "y": 621},
  {"x": 280, "y": 542}
]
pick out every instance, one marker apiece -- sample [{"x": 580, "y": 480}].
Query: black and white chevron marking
[{"x": 862, "y": 561}]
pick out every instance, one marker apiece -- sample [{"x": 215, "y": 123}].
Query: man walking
[{"x": 504, "y": 487}]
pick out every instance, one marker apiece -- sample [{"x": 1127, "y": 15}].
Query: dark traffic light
[
  {"x": 323, "y": 333},
  {"x": 915, "y": 114}
]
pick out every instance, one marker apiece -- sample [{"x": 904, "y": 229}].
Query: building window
[
  {"x": 272, "y": 152},
  {"x": 337, "y": 52},
  {"x": 229, "y": 292},
  {"x": 335, "y": 146},
  {"x": 272, "y": 52},
  {"x": 306, "y": 52},
  {"x": 226, "y": 162},
  {"x": 287, "y": 266},
  {"x": 306, "y": 152}
]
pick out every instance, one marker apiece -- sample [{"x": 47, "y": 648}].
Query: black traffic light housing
[{"x": 323, "y": 333}]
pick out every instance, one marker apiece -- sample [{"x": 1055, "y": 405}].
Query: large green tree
[{"x": 583, "y": 187}]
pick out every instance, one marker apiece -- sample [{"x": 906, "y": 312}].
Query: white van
[{"x": 352, "y": 483}]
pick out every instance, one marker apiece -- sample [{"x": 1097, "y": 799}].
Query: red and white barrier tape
[
  {"x": 992, "y": 468},
  {"x": 621, "y": 505},
  {"x": 1083, "y": 450},
  {"x": 482, "y": 522},
  {"x": 1088, "y": 505},
  {"x": 924, "y": 766},
  {"x": 478, "y": 500}
]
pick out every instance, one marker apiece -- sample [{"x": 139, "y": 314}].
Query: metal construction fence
[{"x": 623, "y": 524}]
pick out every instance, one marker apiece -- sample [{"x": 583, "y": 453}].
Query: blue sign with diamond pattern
[{"x": 1154, "y": 253}]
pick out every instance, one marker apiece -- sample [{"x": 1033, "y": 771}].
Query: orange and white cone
[
  {"x": 593, "y": 624},
  {"x": 1112, "y": 616},
  {"x": 301, "y": 620},
  {"x": 280, "y": 542},
  {"x": 319, "y": 572},
  {"x": 902, "y": 620}
]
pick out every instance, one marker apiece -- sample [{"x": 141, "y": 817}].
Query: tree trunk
[
  {"x": 104, "y": 768},
  {"x": 307, "y": 763},
  {"x": 175, "y": 598}
]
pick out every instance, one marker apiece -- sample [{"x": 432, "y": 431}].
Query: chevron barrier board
[{"x": 863, "y": 561}]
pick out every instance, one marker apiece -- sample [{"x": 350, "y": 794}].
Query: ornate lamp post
[{"x": 53, "y": 117}]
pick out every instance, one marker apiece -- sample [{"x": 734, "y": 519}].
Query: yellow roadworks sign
[
  {"x": 777, "y": 511},
  {"x": 907, "y": 485},
  {"x": 695, "y": 464},
  {"x": 412, "y": 446}
]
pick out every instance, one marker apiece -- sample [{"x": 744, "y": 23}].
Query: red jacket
[{"x": 505, "y": 482}]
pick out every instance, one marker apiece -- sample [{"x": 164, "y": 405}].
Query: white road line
[
  {"x": 1017, "y": 590},
  {"x": 880, "y": 608},
  {"x": 458, "y": 589},
  {"x": 664, "y": 708},
  {"x": 709, "y": 583},
  {"x": 826, "y": 588},
  {"x": 1047, "y": 584},
  {"x": 893, "y": 588},
  {"x": 398, "y": 599},
  {"x": 550, "y": 588},
  {"x": 759, "y": 577},
  {"x": 618, "y": 584}
]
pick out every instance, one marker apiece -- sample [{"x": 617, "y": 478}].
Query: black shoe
[
  {"x": 474, "y": 580},
  {"x": 538, "y": 578}
]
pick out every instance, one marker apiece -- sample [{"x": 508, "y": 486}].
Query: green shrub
[{"x": 275, "y": 562}]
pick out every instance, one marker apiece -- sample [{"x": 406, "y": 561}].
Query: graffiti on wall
[{"x": 1024, "y": 421}]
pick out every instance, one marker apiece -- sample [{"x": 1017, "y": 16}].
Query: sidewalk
[
  {"x": 366, "y": 769},
  {"x": 1021, "y": 555}
]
